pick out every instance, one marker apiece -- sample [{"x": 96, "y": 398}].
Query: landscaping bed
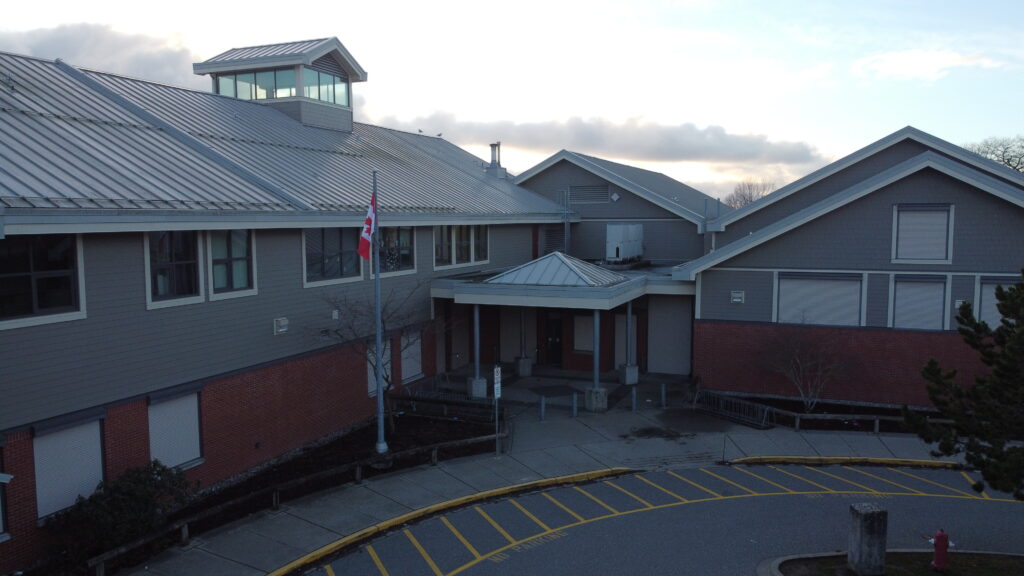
[
  {"x": 836, "y": 416},
  {"x": 910, "y": 564}
]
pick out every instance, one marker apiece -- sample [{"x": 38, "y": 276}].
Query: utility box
[{"x": 624, "y": 242}]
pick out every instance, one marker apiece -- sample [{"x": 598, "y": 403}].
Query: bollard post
[{"x": 867, "y": 540}]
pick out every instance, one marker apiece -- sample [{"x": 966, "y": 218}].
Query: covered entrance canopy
[{"x": 555, "y": 280}]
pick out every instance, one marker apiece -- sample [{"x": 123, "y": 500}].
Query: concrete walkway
[{"x": 648, "y": 438}]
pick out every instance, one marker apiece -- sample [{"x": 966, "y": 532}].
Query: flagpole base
[{"x": 382, "y": 447}]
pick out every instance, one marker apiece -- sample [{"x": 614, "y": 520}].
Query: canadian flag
[{"x": 368, "y": 228}]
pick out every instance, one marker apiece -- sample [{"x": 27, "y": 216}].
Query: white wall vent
[
  {"x": 624, "y": 242},
  {"x": 280, "y": 326}
]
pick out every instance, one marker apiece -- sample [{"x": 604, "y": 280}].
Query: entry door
[{"x": 553, "y": 341}]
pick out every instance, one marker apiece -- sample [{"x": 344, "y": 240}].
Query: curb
[
  {"x": 821, "y": 460},
  {"x": 387, "y": 525},
  {"x": 770, "y": 566}
]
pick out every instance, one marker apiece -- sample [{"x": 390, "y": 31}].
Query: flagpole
[{"x": 382, "y": 446}]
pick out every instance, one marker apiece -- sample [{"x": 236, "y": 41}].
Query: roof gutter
[{"x": 181, "y": 136}]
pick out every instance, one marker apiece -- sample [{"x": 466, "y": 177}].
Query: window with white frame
[
  {"x": 331, "y": 254},
  {"x": 833, "y": 300},
  {"x": 232, "y": 261},
  {"x": 583, "y": 333},
  {"x": 174, "y": 430},
  {"x": 172, "y": 263},
  {"x": 919, "y": 303},
  {"x": 922, "y": 233},
  {"x": 38, "y": 275},
  {"x": 988, "y": 310},
  {"x": 68, "y": 464},
  {"x": 397, "y": 248},
  {"x": 461, "y": 245},
  {"x": 412, "y": 355},
  {"x": 371, "y": 376}
]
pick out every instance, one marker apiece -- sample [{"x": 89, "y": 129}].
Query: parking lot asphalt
[{"x": 558, "y": 449}]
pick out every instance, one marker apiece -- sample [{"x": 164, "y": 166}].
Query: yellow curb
[
  {"x": 386, "y": 525},
  {"x": 847, "y": 460}
]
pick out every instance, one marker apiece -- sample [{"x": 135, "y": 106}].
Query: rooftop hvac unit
[{"x": 625, "y": 242}]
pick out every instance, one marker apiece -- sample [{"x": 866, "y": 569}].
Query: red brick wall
[
  {"x": 883, "y": 365},
  {"x": 125, "y": 438},
  {"x": 584, "y": 362},
  {"x": 26, "y": 543},
  {"x": 255, "y": 416}
]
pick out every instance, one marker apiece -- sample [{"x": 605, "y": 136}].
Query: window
[
  {"x": 331, "y": 254},
  {"x": 324, "y": 87},
  {"x": 583, "y": 334},
  {"x": 68, "y": 464},
  {"x": 828, "y": 300},
  {"x": 397, "y": 249},
  {"x": 412, "y": 355},
  {"x": 922, "y": 233},
  {"x": 988, "y": 310},
  {"x": 38, "y": 275},
  {"x": 919, "y": 303},
  {"x": 231, "y": 261},
  {"x": 174, "y": 430},
  {"x": 173, "y": 265},
  {"x": 460, "y": 245},
  {"x": 442, "y": 245},
  {"x": 265, "y": 85}
]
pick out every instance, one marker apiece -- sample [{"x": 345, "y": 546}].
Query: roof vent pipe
[{"x": 496, "y": 154}]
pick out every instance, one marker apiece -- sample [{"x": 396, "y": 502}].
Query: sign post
[{"x": 497, "y": 421}]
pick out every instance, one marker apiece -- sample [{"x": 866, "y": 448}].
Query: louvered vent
[{"x": 589, "y": 194}]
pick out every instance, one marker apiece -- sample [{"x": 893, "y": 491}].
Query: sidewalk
[{"x": 645, "y": 439}]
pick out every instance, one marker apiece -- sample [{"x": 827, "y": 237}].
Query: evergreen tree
[{"x": 988, "y": 417}]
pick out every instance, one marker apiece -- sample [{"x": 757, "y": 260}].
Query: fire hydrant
[{"x": 940, "y": 562}]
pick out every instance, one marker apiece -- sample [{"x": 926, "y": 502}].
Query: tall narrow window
[
  {"x": 37, "y": 275},
  {"x": 480, "y": 243},
  {"x": 246, "y": 86},
  {"x": 442, "y": 245},
  {"x": 923, "y": 232},
  {"x": 226, "y": 85},
  {"x": 397, "y": 249},
  {"x": 284, "y": 83},
  {"x": 331, "y": 253},
  {"x": 232, "y": 260},
  {"x": 265, "y": 85},
  {"x": 173, "y": 264},
  {"x": 463, "y": 239},
  {"x": 310, "y": 84}
]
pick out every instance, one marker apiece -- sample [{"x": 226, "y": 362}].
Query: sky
[{"x": 709, "y": 92}]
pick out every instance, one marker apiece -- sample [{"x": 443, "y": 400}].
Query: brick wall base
[{"x": 880, "y": 365}]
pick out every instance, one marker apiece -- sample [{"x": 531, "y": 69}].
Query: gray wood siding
[
  {"x": 716, "y": 287},
  {"x": 819, "y": 191},
  {"x": 961, "y": 288},
  {"x": 671, "y": 241},
  {"x": 122, "y": 350},
  {"x": 878, "y": 300},
  {"x": 987, "y": 232},
  {"x": 670, "y": 334}
]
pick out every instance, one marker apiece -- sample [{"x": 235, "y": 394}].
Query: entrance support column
[
  {"x": 630, "y": 372},
  {"x": 596, "y": 398},
  {"x": 524, "y": 364},
  {"x": 477, "y": 386}
]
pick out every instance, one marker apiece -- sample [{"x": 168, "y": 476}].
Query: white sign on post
[{"x": 497, "y": 382}]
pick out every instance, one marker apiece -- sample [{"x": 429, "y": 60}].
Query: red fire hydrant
[{"x": 941, "y": 560}]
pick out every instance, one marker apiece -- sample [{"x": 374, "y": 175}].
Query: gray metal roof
[
  {"x": 65, "y": 146},
  {"x": 285, "y": 54},
  {"x": 558, "y": 269},
  {"x": 77, "y": 139}
]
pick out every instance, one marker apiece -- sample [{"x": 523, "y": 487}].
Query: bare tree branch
[
  {"x": 810, "y": 364},
  {"x": 1007, "y": 151},
  {"x": 749, "y": 191}
]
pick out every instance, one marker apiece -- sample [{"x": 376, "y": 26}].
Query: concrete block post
[{"x": 868, "y": 532}]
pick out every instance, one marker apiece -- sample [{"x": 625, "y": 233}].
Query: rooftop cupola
[{"x": 310, "y": 81}]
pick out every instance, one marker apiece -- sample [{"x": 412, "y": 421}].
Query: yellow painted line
[
  {"x": 543, "y": 526},
  {"x": 971, "y": 482},
  {"x": 460, "y": 537},
  {"x": 950, "y": 488},
  {"x": 376, "y": 560},
  {"x": 630, "y": 494},
  {"x": 727, "y": 481},
  {"x": 596, "y": 499},
  {"x": 663, "y": 489},
  {"x": 695, "y": 485},
  {"x": 841, "y": 479},
  {"x": 798, "y": 477},
  {"x": 329, "y": 570},
  {"x": 494, "y": 524},
  {"x": 563, "y": 507},
  {"x": 849, "y": 460},
  {"x": 886, "y": 480},
  {"x": 763, "y": 479},
  {"x": 419, "y": 547}
]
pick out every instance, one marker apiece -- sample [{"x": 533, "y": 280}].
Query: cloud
[
  {"x": 101, "y": 48},
  {"x": 632, "y": 140},
  {"x": 929, "y": 65}
]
